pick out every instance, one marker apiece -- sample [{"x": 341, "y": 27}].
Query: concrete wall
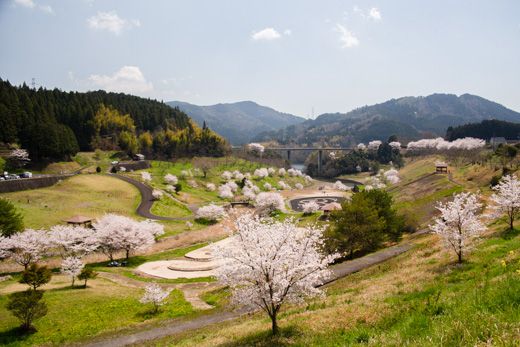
[{"x": 30, "y": 183}]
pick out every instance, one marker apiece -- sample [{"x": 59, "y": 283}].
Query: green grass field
[
  {"x": 79, "y": 314},
  {"x": 89, "y": 195}
]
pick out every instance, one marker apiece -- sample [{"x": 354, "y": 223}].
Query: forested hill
[
  {"x": 485, "y": 130},
  {"x": 239, "y": 122},
  {"x": 409, "y": 118},
  {"x": 53, "y": 124}
]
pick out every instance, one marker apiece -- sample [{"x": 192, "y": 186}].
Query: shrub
[
  {"x": 27, "y": 306},
  {"x": 36, "y": 276}
]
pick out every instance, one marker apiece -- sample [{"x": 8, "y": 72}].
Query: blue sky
[{"x": 292, "y": 55}]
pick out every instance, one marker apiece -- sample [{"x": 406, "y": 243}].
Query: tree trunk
[
  {"x": 460, "y": 256},
  {"x": 72, "y": 281},
  {"x": 274, "y": 325},
  {"x": 511, "y": 221},
  {"x": 127, "y": 254}
]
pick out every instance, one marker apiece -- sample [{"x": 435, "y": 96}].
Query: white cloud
[
  {"x": 25, "y": 3},
  {"x": 112, "y": 22},
  {"x": 128, "y": 79},
  {"x": 374, "y": 14},
  {"x": 347, "y": 38},
  {"x": 267, "y": 34}
]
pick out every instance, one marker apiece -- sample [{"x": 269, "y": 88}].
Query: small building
[
  {"x": 79, "y": 220},
  {"x": 497, "y": 141},
  {"x": 441, "y": 167},
  {"x": 333, "y": 206}
]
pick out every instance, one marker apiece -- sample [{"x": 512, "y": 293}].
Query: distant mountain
[
  {"x": 239, "y": 122},
  {"x": 409, "y": 118}
]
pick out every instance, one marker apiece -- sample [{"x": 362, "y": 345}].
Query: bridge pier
[
  {"x": 288, "y": 155},
  {"x": 320, "y": 157}
]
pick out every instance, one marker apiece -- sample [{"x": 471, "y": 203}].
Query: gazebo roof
[
  {"x": 78, "y": 219},
  {"x": 441, "y": 164}
]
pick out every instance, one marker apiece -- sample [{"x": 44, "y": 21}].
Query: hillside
[
  {"x": 238, "y": 122},
  {"x": 54, "y": 125},
  {"x": 485, "y": 130},
  {"x": 409, "y": 118}
]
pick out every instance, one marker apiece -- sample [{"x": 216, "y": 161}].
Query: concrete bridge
[{"x": 319, "y": 149}]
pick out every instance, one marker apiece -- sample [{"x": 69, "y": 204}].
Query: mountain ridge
[{"x": 240, "y": 121}]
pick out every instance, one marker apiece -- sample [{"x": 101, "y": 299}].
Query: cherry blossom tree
[
  {"x": 72, "y": 267},
  {"x": 154, "y": 294},
  {"x": 226, "y": 175},
  {"x": 271, "y": 171},
  {"x": 392, "y": 176},
  {"x": 4, "y": 248},
  {"x": 248, "y": 193},
  {"x": 395, "y": 145},
  {"x": 458, "y": 222},
  {"x": 18, "y": 158},
  {"x": 117, "y": 233},
  {"x": 225, "y": 192},
  {"x": 282, "y": 172},
  {"x": 256, "y": 148},
  {"x": 269, "y": 263},
  {"x": 72, "y": 241},
  {"x": 507, "y": 198},
  {"x": 284, "y": 186},
  {"x": 146, "y": 176},
  {"x": 28, "y": 247},
  {"x": 374, "y": 145},
  {"x": 171, "y": 179},
  {"x": 210, "y": 187},
  {"x": 298, "y": 186},
  {"x": 310, "y": 207},
  {"x": 338, "y": 185},
  {"x": 439, "y": 144},
  {"x": 268, "y": 202},
  {"x": 361, "y": 147},
  {"x": 211, "y": 212},
  {"x": 267, "y": 186},
  {"x": 157, "y": 194},
  {"x": 261, "y": 173}
]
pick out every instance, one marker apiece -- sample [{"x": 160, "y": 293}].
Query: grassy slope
[
  {"x": 76, "y": 314},
  {"x": 420, "y": 298},
  {"x": 90, "y": 195}
]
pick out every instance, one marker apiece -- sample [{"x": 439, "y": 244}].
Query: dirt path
[
  {"x": 177, "y": 326},
  {"x": 145, "y": 206}
]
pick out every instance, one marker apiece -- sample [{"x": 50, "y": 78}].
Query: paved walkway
[
  {"x": 147, "y": 200},
  {"x": 179, "y": 326}
]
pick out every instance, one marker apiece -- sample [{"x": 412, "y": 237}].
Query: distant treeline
[
  {"x": 485, "y": 130},
  {"x": 54, "y": 125}
]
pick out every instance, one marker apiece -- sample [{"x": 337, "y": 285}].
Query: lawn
[
  {"x": 420, "y": 298},
  {"x": 199, "y": 194},
  {"x": 89, "y": 195},
  {"x": 80, "y": 314}
]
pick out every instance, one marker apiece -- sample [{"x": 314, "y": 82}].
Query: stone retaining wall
[{"x": 30, "y": 183}]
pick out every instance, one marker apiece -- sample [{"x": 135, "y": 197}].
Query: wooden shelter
[
  {"x": 441, "y": 167},
  {"x": 79, "y": 220},
  {"x": 333, "y": 206}
]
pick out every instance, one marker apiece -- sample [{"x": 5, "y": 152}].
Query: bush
[
  {"x": 36, "y": 276},
  {"x": 178, "y": 188},
  {"x": 11, "y": 221},
  {"x": 87, "y": 274},
  {"x": 27, "y": 306},
  {"x": 494, "y": 180},
  {"x": 98, "y": 169}
]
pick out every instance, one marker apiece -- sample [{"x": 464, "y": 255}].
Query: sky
[{"x": 298, "y": 56}]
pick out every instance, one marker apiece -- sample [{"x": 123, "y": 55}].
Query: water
[{"x": 300, "y": 167}]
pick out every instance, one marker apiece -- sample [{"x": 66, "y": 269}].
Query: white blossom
[
  {"x": 361, "y": 147},
  {"x": 225, "y": 192},
  {"x": 256, "y": 148},
  {"x": 28, "y": 247},
  {"x": 506, "y": 198},
  {"x": 298, "y": 186},
  {"x": 72, "y": 267},
  {"x": 269, "y": 263},
  {"x": 261, "y": 173},
  {"x": 157, "y": 194},
  {"x": 171, "y": 179},
  {"x": 458, "y": 222},
  {"x": 395, "y": 145},
  {"x": 211, "y": 212},
  {"x": 146, "y": 176},
  {"x": 170, "y": 188},
  {"x": 210, "y": 187},
  {"x": 284, "y": 186},
  {"x": 282, "y": 172},
  {"x": 189, "y": 225},
  {"x": 185, "y": 174},
  {"x": 338, "y": 185},
  {"x": 310, "y": 207},
  {"x": 248, "y": 193},
  {"x": 269, "y": 202},
  {"x": 467, "y": 143},
  {"x": 226, "y": 175},
  {"x": 155, "y": 295},
  {"x": 271, "y": 171},
  {"x": 267, "y": 186},
  {"x": 72, "y": 241},
  {"x": 374, "y": 145},
  {"x": 392, "y": 176}
]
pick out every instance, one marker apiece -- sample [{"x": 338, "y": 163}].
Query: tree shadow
[
  {"x": 510, "y": 233},
  {"x": 147, "y": 314},
  {"x": 266, "y": 339},
  {"x": 14, "y": 335}
]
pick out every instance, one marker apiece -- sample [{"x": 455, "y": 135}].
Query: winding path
[
  {"x": 179, "y": 326},
  {"x": 145, "y": 206}
]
